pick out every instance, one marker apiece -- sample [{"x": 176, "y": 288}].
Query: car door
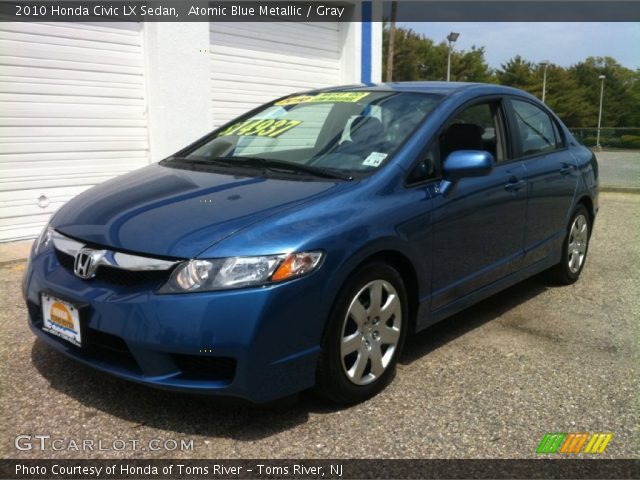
[
  {"x": 551, "y": 174},
  {"x": 478, "y": 225}
]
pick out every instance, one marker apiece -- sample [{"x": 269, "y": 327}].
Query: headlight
[
  {"x": 237, "y": 272},
  {"x": 43, "y": 240}
]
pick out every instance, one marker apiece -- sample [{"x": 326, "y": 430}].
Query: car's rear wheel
[
  {"x": 364, "y": 336},
  {"x": 574, "y": 248}
]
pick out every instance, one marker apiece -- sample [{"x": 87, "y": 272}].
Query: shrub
[{"x": 630, "y": 141}]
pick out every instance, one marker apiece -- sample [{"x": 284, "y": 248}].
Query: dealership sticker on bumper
[{"x": 61, "y": 319}]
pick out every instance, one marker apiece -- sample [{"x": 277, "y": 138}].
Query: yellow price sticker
[
  {"x": 326, "y": 97},
  {"x": 269, "y": 127}
]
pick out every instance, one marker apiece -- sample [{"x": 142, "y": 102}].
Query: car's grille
[
  {"x": 201, "y": 367},
  {"x": 119, "y": 276},
  {"x": 65, "y": 260}
]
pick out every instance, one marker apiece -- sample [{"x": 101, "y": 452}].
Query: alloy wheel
[
  {"x": 577, "y": 245},
  {"x": 370, "y": 332}
]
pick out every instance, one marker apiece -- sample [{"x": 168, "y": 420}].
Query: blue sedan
[{"x": 298, "y": 245}]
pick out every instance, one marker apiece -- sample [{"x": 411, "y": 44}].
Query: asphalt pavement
[{"x": 489, "y": 382}]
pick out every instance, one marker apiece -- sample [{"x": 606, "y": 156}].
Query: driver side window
[{"x": 475, "y": 128}]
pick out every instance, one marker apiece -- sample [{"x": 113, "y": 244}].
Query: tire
[
  {"x": 574, "y": 248},
  {"x": 353, "y": 371}
]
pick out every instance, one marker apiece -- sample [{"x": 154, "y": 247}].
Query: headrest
[
  {"x": 463, "y": 136},
  {"x": 366, "y": 130}
]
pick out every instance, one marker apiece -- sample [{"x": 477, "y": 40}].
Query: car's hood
[{"x": 177, "y": 213}]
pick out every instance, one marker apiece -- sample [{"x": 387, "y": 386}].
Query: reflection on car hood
[{"x": 174, "y": 212}]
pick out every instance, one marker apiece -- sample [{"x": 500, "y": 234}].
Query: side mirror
[{"x": 467, "y": 163}]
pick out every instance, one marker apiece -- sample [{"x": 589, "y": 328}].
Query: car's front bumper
[{"x": 257, "y": 343}]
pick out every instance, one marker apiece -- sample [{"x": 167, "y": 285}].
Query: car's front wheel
[
  {"x": 364, "y": 336},
  {"x": 574, "y": 248}
]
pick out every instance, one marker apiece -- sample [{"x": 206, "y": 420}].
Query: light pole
[
  {"x": 452, "y": 37},
  {"x": 602, "y": 78},
  {"x": 545, "y": 64}
]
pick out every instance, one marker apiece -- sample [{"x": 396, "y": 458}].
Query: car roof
[{"x": 438, "y": 88}]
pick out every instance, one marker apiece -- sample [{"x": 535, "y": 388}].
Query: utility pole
[
  {"x": 392, "y": 39},
  {"x": 602, "y": 78},
  {"x": 545, "y": 64},
  {"x": 452, "y": 37}
]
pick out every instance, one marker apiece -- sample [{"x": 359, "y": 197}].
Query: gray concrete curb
[
  {"x": 615, "y": 189},
  {"x": 6, "y": 263},
  {"x": 13, "y": 252}
]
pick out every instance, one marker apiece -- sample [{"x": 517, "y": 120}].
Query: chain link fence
[{"x": 624, "y": 137}]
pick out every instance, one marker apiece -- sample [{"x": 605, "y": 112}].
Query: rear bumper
[{"x": 259, "y": 344}]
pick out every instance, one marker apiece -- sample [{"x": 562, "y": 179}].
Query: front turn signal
[{"x": 297, "y": 264}]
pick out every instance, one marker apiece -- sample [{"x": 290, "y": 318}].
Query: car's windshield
[{"x": 329, "y": 131}]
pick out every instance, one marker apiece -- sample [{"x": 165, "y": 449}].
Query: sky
[{"x": 561, "y": 43}]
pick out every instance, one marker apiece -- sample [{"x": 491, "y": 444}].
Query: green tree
[
  {"x": 573, "y": 93},
  {"x": 634, "y": 97},
  {"x": 620, "y": 105},
  {"x": 470, "y": 66},
  {"x": 519, "y": 73},
  {"x": 566, "y": 97},
  {"x": 419, "y": 58}
]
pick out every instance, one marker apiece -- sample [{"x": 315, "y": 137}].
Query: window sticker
[
  {"x": 374, "y": 159},
  {"x": 271, "y": 127},
  {"x": 335, "y": 97}
]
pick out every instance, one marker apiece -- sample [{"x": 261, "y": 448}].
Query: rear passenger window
[{"x": 536, "y": 131}]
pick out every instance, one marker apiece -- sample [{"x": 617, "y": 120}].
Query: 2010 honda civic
[{"x": 298, "y": 245}]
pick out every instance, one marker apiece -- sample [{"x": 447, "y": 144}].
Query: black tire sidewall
[{"x": 332, "y": 380}]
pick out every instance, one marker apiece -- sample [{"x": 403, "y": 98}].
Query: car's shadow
[
  {"x": 231, "y": 418},
  {"x": 457, "y": 325},
  {"x": 188, "y": 414}
]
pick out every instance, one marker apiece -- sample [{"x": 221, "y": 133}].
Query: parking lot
[
  {"x": 489, "y": 382},
  {"x": 619, "y": 170}
]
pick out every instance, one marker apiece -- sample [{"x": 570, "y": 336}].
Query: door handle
[
  {"x": 566, "y": 169},
  {"x": 514, "y": 185}
]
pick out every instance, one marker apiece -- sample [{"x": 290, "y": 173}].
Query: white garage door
[
  {"x": 253, "y": 63},
  {"x": 72, "y": 114}
]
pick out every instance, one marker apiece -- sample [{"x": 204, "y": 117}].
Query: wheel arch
[
  {"x": 397, "y": 259},
  {"x": 587, "y": 202},
  {"x": 407, "y": 271}
]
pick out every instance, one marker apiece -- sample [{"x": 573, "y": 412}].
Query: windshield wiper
[
  {"x": 272, "y": 164},
  {"x": 267, "y": 163},
  {"x": 201, "y": 161}
]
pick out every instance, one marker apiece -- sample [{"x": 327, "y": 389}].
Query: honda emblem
[{"x": 87, "y": 262}]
